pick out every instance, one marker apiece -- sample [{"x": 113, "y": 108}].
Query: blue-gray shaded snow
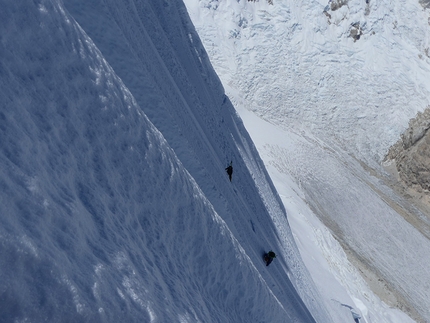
[{"x": 101, "y": 218}]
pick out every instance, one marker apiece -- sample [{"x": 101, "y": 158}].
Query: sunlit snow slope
[
  {"x": 103, "y": 218},
  {"x": 330, "y": 104}
]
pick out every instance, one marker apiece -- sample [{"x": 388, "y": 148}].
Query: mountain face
[
  {"x": 115, "y": 206},
  {"x": 411, "y": 153},
  {"x": 338, "y": 83},
  {"x": 408, "y": 160}
]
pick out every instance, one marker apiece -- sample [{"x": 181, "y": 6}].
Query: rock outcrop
[{"x": 412, "y": 154}]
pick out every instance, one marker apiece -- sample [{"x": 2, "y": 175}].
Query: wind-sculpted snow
[{"x": 103, "y": 218}]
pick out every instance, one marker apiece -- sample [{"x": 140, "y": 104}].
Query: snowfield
[{"x": 297, "y": 68}]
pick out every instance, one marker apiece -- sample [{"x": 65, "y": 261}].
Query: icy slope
[{"x": 100, "y": 219}]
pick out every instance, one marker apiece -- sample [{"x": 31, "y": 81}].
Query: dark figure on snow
[
  {"x": 229, "y": 170},
  {"x": 268, "y": 257}
]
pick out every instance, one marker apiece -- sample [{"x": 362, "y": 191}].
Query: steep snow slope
[
  {"x": 336, "y": 102},
  {"x": 199, "y": 123},
  {"x": 101, "y": 218}
]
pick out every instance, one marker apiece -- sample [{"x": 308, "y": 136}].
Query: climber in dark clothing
[
  {"x": 268, "y": 257},
  {"x": 229, "y": 170}
]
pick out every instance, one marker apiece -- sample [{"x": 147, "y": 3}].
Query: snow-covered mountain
[
  {"x": 325, "y": 88},
  {"x": 115, "y": 132},
  {"x": 115, "y": 205}
]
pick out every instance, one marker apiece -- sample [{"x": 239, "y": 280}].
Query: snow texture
[{"x": 115, "y": 205}]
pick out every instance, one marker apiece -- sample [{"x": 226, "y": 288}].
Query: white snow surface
[
  {"x": 115, "y": 205},
  {"x": 297, "y": 68},
  {"x": 319, "y": 105}
]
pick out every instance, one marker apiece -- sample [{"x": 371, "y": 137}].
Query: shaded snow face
[
  {"x": 82, "y": 171},
  {"x": 91, "y": 193},
  {"x": 199, "y": 122},
  {"x": 99, "y": 220}
]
